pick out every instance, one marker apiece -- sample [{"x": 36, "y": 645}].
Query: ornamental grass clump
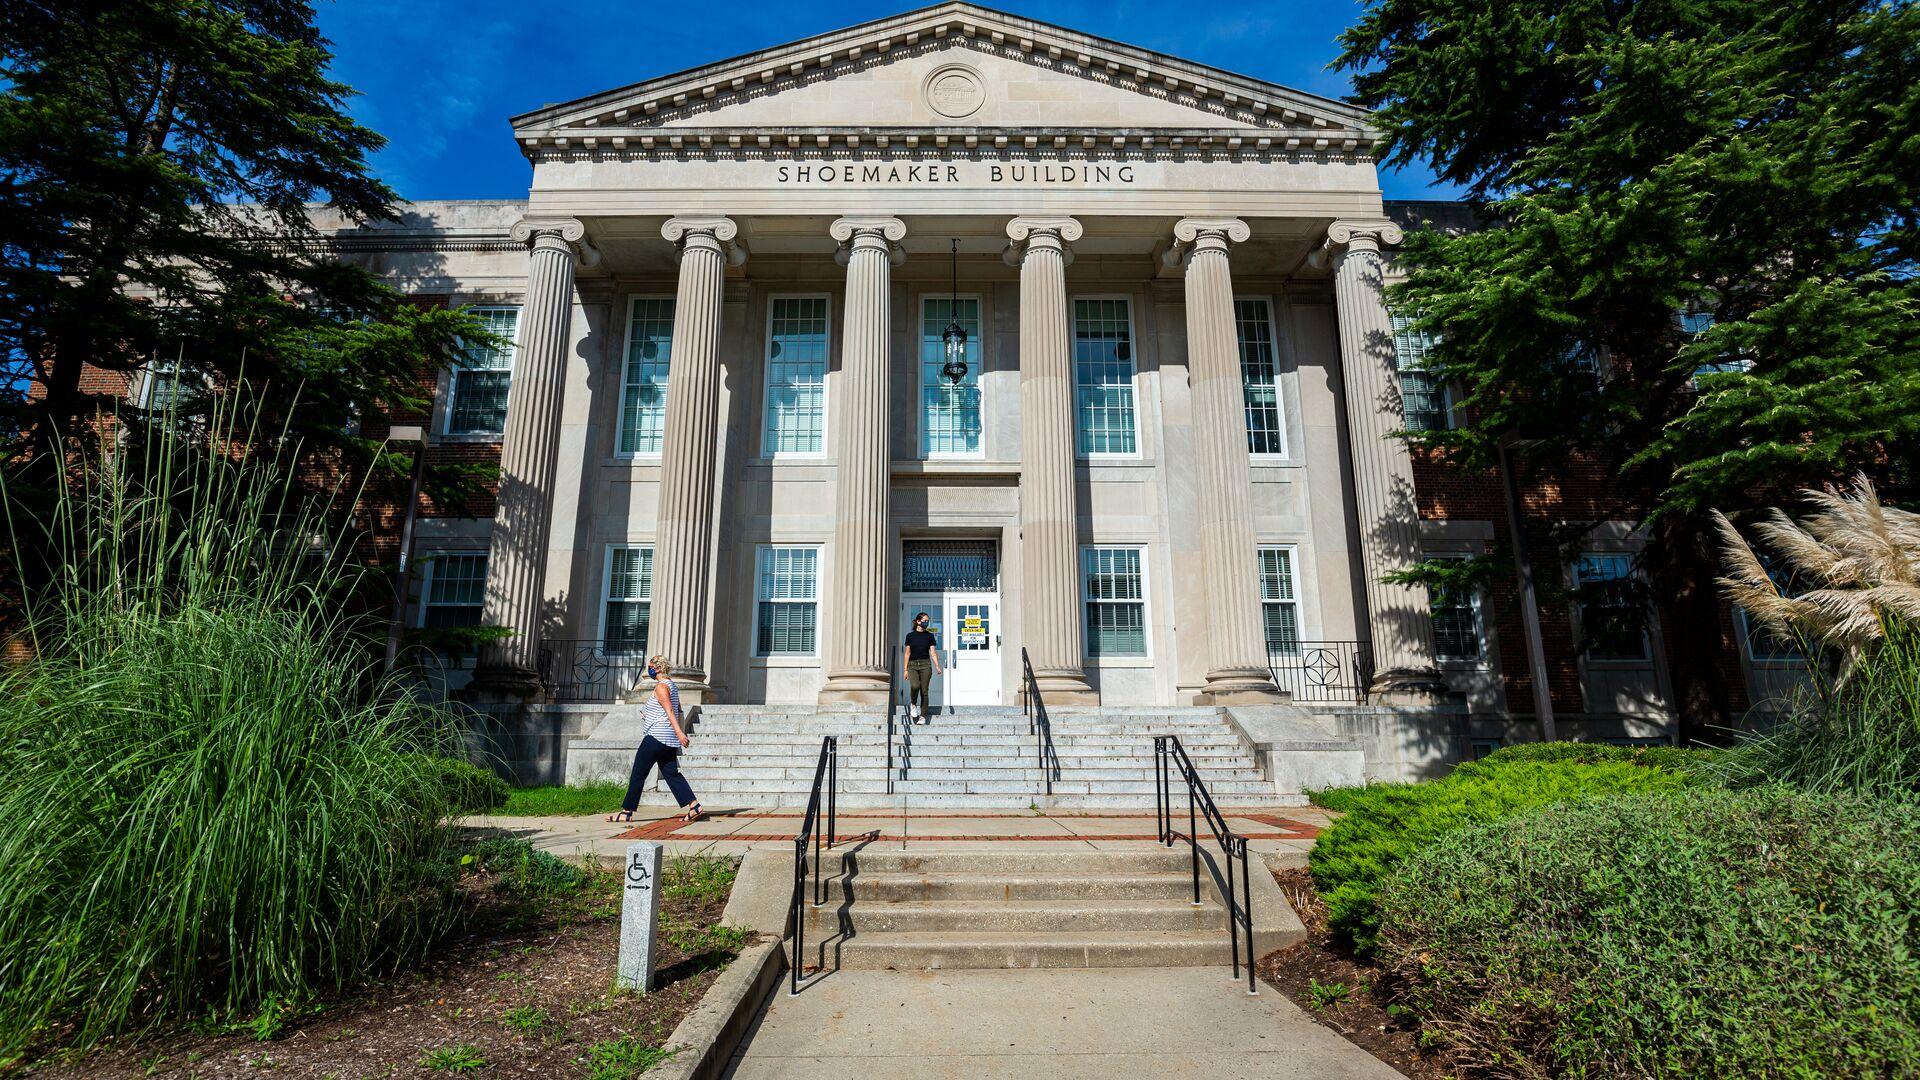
[
  {"x": 1768, "y": 932},
  {"x": 212, "y": 801},
  {"x": 1853, "y": 603}
]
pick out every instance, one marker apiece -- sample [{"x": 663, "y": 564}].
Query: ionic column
[
  {"x": 683, "y": 544},
  {"x": 1049, "y": 531},
  {"x": 1237, "y": 669},
  {"x": 1399, "y": 616},
  {"x": 529, "y": 451},
  {"x": 859, "y": 617}
]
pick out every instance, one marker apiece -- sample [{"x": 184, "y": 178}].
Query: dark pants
[
  {"x": 919, "y": 682},
  {"x": 654, "y": 752}
]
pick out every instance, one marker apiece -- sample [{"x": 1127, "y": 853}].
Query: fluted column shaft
[
  {"x": 1237, "y": 669},
  {"x": 859, "y": 628},
  {"x": 1049, "y": 532},
  {"x": 529, "y": 453},
  {"x": 1399, "y": 616},
  {"x": 683, "y": 543}
]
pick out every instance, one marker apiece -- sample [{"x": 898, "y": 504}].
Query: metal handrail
[
  {"x": 893, "y": 690},
  {"x": 1034, "y": 707},
  {"x": 827, "y": 771},
  {"x": 1037, "y": 725},
  {"x": 1167, "y": 753}
]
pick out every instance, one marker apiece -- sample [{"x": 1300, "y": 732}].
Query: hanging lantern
[{"x": 955, "y": 337}]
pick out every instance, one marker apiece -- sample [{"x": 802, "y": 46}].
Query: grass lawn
[{"x": 559, "y": 800}]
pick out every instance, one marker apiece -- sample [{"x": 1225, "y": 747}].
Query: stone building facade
[{"x": 1159, "y": 466}]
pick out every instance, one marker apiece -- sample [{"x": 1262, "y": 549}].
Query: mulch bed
[
  {"x": 556, "y": 956},
  {"x": 1361, "y": 1015}
]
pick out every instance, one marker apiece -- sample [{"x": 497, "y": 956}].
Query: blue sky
[{"x": 439, "y": 78}]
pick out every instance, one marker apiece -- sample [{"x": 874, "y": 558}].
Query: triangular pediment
[{"x": 953, "y": 68}]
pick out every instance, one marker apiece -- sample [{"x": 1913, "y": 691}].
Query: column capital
[
  {"x": 1355, "y": 234},
  {"x": 1191, "y": 234},
  {"x": 1026, "y": 233},
  {"x": 882, "y": 233},
  {"x": 715, "y": 232},
  {"x": 557, "y": 234}
]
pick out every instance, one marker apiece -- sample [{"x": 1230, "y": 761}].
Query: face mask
[{"x": 651, "y": 674}]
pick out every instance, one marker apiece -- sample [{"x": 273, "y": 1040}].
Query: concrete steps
[
  {"x": 1100, "y": 758},
  {"x": 999, "y": 908}
]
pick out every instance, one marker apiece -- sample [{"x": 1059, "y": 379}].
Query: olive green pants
[{"x": 919, "y": 684}]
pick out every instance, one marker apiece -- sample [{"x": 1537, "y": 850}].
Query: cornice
[
  {"x": 946, "y": 144},
  {"x": 384, "y": 240}
]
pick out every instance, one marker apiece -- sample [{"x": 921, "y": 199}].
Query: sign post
[{"x": 639, "y": 916}]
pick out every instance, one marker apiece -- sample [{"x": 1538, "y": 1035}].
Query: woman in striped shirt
[{"x": 662, "y": 740}]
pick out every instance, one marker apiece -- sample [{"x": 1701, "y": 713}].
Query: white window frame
[
  {"x": 1647, "y": 653},
  {"x": 1266, "y": 457},
  {"x": 626, "y": 364},
  {"x": 454, "y": 371},
  {"x": 607, "y": 598},
  {"x": 760, "y": 553},
  {"x": 768, "y": 451},
  {"x": 1475, "y": 609},
  {"x": 1443, "y": 387},
  {"x": 1299, "y": 615},
  {"x": 1145, "y": 656},
  {"x": 1133, "y": 380},
  {"x": 920, "y": 377},
  {"x": 429, "y": 561}
]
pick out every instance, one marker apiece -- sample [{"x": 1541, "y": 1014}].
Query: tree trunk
[{"x": 1682, "y": 565}]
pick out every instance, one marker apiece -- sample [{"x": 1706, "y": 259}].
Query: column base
[
  {"x": 856, "y": 688},
  {"x": 1418, "y": 687},
  {"x": 504, "y": 681},
  {"x": 1242, "y": 686},
  {"x": 1066, "y": 687},
  {"x": 694, "y": 690}
]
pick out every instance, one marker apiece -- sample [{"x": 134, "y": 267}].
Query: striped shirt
[{"x": 658, "y": 726}]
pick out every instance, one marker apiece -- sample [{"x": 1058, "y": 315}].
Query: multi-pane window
[
  {"x": 1103, "y": 377},
  {"x": 1116, "y": 601},
  {"x": 456, "y": 589},
  {"x": 1423, "y": 396},
  {"x": 167, "y": 388},
  {"x": 1613, "y": 624},
  {"x": 787, "y": 596},
  {"x": 1279, "y": 604},
  {"x": 478, "y": 383},
  {"x": 1695, "y": 323},
  {"x": 1764, "y": 644},
  {"x": 643, "y": 387},
  {"x": 949, "y": 411},
  {"x": 796, "y": 375},
  {"x": 1260, "y": 375},
  {"x": 629, "y": 599},
  {"x": 1456, "y": 625}
]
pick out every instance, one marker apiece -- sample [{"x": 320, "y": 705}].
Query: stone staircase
[
  {"x": 931, "y": 909},
  {"x": 1101, "y": 757}
]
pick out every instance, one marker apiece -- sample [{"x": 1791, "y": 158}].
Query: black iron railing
[
  {"x": 826, "y": 775},
  {"x": 591, "y": 670},
  {"x": 893, "y": 709},
  {"x": 1329, "y": 671},
  {"x": 1038, "y": 726},
  {"x": 1168, "y": 756}
]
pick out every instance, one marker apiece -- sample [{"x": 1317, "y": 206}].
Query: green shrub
[
  {"x": 469, "y": 787},
  {"x": 1672, "y": 758},
  {"x": 210, "y": 801},
  {"x": 1385, "y": 823},
  {"x": 558, "y": 801},
  {"x": 1767, "y": 932}
]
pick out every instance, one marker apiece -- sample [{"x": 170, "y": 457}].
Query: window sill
[
  {"x": 785, "y": 660},
  {"x": 450, "y": 439},
  {"x": 954, "y": 467},
  {"x": 1117, "y": 662}
]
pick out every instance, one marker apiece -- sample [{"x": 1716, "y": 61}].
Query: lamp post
[{"x": 415, "y": 434}]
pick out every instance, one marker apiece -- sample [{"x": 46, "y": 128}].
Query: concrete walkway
[{"x": 1085, "y": 1024}]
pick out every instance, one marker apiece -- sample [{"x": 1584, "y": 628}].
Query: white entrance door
[{"x": 967, "y": 627}]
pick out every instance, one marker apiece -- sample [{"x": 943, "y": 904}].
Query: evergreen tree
[
  {"x": 157, "y": 159},
  {"x": 1699, "y": 260}
]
